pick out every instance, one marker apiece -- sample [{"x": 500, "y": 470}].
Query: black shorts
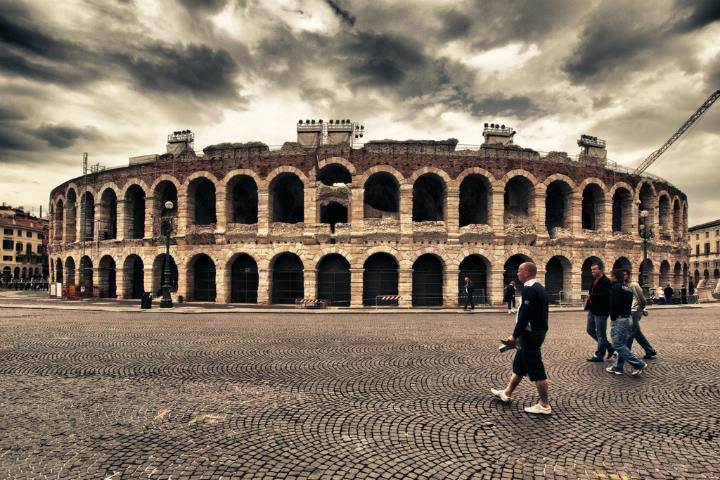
[{"x": 528, "y": 359}]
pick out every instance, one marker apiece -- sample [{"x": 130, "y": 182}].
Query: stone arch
[
  {"x": 87, "y": 217},
  {"x": 334, "y": 172},
  {"x": 333, "y": 279},
  {"x": 621, "y": 209},
  {"x": 648, "y": 200},
  {"x": 58, "y": 220},
  {"x": 337, "y": 160},
  {"x": 433, "y": 170},
  {"x": 519, "y": 199},
  {"x": 69, "y": 271},
  {"x": 665, "y": 273},
  {"x": 133, "y": 285},
  {"x": 202, "y": 200},
  {"x": 165, "y": 178},
  {"x": 381, "y": 195},
  {"x": 428, "y": 273},
  {"x": 286, "y": 192},
  {"x": 107, "y": 279},
  {"x": 380, "y": 278},
  {"x": 241, "y": 199},
  {"x": 329, "y": 250},
  {"x": 59, "y": 272},
  {"x": 71, "y": 216},
  {"x": 244, "y": 279},
  {"x": 475, "y": 192},
  {"x": 429, "y": 197},
  {"x": 270, "y": 177},
  {"x": 558, "y": 203},
  {"x": 623, "y": 263},
  {"x": 492, "y": 181},
  {"x": 665, "y": 219},
  {"x": 558, "y": 277},
  {"x": 475, "y": 266},
  {"x": 158, "y": 274},
  {"x": 107, "y": 215},
  {"x": 164, "y": 191},
  {"x": 677, "y": 218},
  {"x": 593, "y": 204},
  {"x": 135, "y": 197},
  {"x": 510, "y": 268},
  {"x": 201, "y": 278},
  {"x": 287, "y": 274},
  {"x": 399, "y": 178},
  {"x": 586, "y": 278}
]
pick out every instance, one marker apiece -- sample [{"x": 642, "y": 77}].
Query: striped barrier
[
  {"x": 387, "y": 298},
  {"x": 310, "y": 303}
]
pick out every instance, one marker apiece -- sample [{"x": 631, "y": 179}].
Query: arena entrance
[
  {"x": 427, "y": 281},
  {"x": 134, "y": 278},
  {"x": 380, "y": 278},
  {"x": 333, "y": 279},
  {"x": 204, "y": 279},
  {"x": 511, "y": 268},
  {"x": 243, "y": 280},
  {"x": 557, "y": 277},
  {"x": 287, "y": 279},
  {"x": 159, "y": 274},
  {"x": 106, "y": 278},
  {"x": 475, "y": 268}
]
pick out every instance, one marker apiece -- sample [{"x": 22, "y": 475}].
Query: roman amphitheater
[{"x": 387, "y": 222}]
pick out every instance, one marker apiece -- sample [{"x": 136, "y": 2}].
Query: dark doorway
[
  {"x": 87, "y": 220},
  {"x": 134, "y": 275},
  {"x": 288, "y": 202},
  {"x": 592, "y": 196},
  {"x": 287, "y": 285},
  {"x": 69, "y": 271},
  {"x": 511, "y": 268},
  {"x": 517, "y": 200},
  {"x": 622, "y": 263},
  {"x": 244, "y": 280},
  {"x": 164, "y": 192},
  {"x": 382, "y": 195},
  {"x": 428, "y": 199},
  {"x": 106, "y": 277},
  {"x": 554, "y": 279},
  {"x": 204, "y": 279},
  {"x": 380, "y": 277},
  {"x": 59, "y": 271},
  {"x": 474, "y": 200},
  {"x": 334, "y": 280},
  {"x": 135, "y": 211},
  {"x": 108, "y": 215},
  {"x": 427, "y": 281},
  {"x": 556, "y": 205},
  {"x": 244, "y": 200},
  {"x": 475, "y": 268},
  {"x": 202, "y": 201}
]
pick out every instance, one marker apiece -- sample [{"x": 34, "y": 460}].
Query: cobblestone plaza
[{"x": 158, "y": 395}]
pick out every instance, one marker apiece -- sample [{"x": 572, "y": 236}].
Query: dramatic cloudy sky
[{"x": 113, "y": 78}]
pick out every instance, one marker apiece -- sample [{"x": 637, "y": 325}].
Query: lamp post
[
  {"x": 166, "y": 229},
  {"x": 646, "y": 234}
]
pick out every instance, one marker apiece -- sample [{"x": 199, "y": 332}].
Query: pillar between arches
[
  {"x": 405, "y": 286},
  {"x": 537, "y": 212},
  {"x": 220, "y": 210},
  {"x": 605, "y": 226},
  {"x": 310, "y": 283},
  {"x": 497, "y": 211},
  {"x": 310, "y": 212},
  {"x": 406, "y": 224},
  {"x": 263, "y": 215},
  {"x": 182, "y": 220},
  {"x": 356, "y": 287},
  {"x": 452, "y": 213},
  {"x": 575, "y": 213},
  {"x": 357, "y": 218},
  {"x": 451, "y": 288},
  {"x": 495, "y": 286},
  {"x": 264, "y": 287},
  {"x": 221, "y": 285}
]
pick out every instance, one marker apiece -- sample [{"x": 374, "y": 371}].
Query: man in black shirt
[
  {"x": 598, "y": 310},
  {"x": 621, "y": 298},
  {"x": 469, "y": 290},
  {"x": 530, "y": 329},
  {"x": 668, "y": 294}
]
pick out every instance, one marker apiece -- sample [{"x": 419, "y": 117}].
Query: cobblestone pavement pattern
[{"x": 105, "y": 395}]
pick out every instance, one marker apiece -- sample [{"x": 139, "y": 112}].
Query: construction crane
[{"x": 689, "y": 123}]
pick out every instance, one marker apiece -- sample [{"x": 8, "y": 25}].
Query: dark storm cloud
[
  {"x": 210, "y": 6},
  {"x": 344, "y": 15},
  {"x": 177, "y": 70},
  {"x": 520, "y": 106},
  {"x": 64, "y": 136},
  {"x": 382, "y": 59},
  {"x": 14, "y": 33},
  {"x": 698, "y": 14},
  {"x": 8, "y": 112},
  {"x": 713, "y": 74},
  {"x": 454, "y": 25},
  {"x": 44, "y": 71}
]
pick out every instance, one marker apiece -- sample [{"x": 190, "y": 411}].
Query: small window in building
[
  {"x": 39, "y": 249},
  {"x": 41, "y": 235},
  {"x": 7, "y": 244},
  {"x": 707, "y": 234},
  {"x": 18, "y": 247},
  {"x": 697, "y": 236},
  {"x": 28, "y": 249},
  {"x": 7, "y": 258},
  {"x": 697, "y": 249},
  {"x": 28, "y": 234},
  {"x": 707, "y": 249},
  {"x": 717, "y": 247},
  {"x": 8, "y": 231}
]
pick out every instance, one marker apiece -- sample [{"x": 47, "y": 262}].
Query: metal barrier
[
  {"x": 571, "y": 298},
  {"x": 395, "y": 299},
  {"x": 310, "y": 303}
]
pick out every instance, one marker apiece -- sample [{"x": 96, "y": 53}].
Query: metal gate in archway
[
  {"x": 204, "y": 280},
  {"x": 333, "y": 280},
  {"x": 380, "y": 278},
  {"x": 427, "y": 281},
  {"x": 287, "y": 279},
  {"x": 244, "y": 280}
]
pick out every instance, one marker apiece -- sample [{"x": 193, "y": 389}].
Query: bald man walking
[{"x": 531, "y": 327}]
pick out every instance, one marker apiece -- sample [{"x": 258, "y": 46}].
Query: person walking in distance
[
  {"x": 509, "y": 296},
  {"x": 637, "y": 311},
  {"x": 683, "y": 295},
  {"x": 598, "y": 307},
  {"x": 668, "y": 294},
  {"x": 469, "y": 290},
  {"x": 621, "y": 298},
  {"x": 531, "y": 327}
]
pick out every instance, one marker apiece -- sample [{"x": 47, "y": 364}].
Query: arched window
[
  {"x": 428, "y": 199},
  {"x": 288, "y": 199},
  {"x": 427, "y": 281},
  {"x": 287, "y": 279},
  {"x": 201, "y": 202},
  {"x": 518, "y": 201},
  {"x": 474, "y": 200},
  {"x": 334, "y": 280},
  {"x": 380, "y": 278},
  {"x": 382, "y": 196}
]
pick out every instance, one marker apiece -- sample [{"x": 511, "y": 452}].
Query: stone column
[
  {"x": 121, "y": 220},
  {"x": 605, "y": 220},
  {"x": 356, "y": 287},
  {"x": 537, "y": 214},
  {"x": 263, "y": 214},
  {"x": 310, "y": 283},
  {"x": 222, "y": 289},
  {"x": 220, "y": 210},
  {"x": 405, "y": 286},
  {"x": 182, "y": 217},
  {"x": 451, "y": 288},
  {"x": 226, "y": 280},
  {"x": 310, "y": 206},
  {"x": 357, "y": 216},
  {"x": 495, "y": 286},
  {"x": 149, "y": 216},
  {"x": 574, "y": 219},
  {"x": 148, "y": 280},
  {"x": 452, "y": 215},
  {"x": 497, "y": 211},
  {"x": 406, "y": 223},
  {"x": 121, "y": 284},
  {"x": 264, "y": 286}
]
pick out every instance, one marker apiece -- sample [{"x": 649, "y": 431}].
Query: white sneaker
[
  {"x": 501, "y": 395},
  {"x": 539, "y": 409},
  {"x": 638, "y": 371}
]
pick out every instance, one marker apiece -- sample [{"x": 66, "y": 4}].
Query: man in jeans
[
  {"x": 598, "y": 308},
  {"x": 637, "y": 311},
  {"x": 469, "y": 290},
  {"x": 621, "y": 298}
]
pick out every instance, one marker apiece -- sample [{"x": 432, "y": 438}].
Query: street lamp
[
  {"x": 166, "y": 229},
  {"x": 646, "y": 234}
]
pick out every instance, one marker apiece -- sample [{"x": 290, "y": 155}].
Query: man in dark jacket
[
  {"x": 598, "y": 308},
  {"x": 469, "y": 290},
  {"x": 621, "y": 299},
  {"x": 530, "y": 330},
  {"x": 668, "y": 294},
  {"x": 509, "y": 296}
]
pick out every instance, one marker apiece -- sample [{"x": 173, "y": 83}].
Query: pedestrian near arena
[
  {"x": 621, "y": 299},
  {"x": 469, "y": 290},
  {"x": 683, "y": 295},
  {"x": 509, "y": 296},
  {"x": 598, "y": 308},
  {"x": 668, "y": 294},
  {"x": 531, "y": 327},
  {"x": 637, "y": 311}
]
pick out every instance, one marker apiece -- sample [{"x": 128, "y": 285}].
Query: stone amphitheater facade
[{"x": 352, "y": 225}]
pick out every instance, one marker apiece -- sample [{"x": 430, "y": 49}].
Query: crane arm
[{"x": 689, "y": 123}]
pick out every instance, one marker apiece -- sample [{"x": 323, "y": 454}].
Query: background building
[
  {"x": 705, "y": 255},
  {"x": 319, "y": 218},
  {"x": 24, "y": 245}
]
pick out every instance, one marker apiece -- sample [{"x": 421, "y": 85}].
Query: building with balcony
[
  {"x": 705, "y": 255},
  {"x": 24, "y": 245}
]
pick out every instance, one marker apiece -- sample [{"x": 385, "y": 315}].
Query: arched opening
[
  {"x": 107, "y": 286},
  {"x": 16, "y": 272},
  {"x": 335, "y": 173},
  {"x": 333, "y": 213},
  {"x": 677, "y": 220},
  {"x": 474, "y": 267},
  {"x": 24, "y": 273},
  {"x": 647, "y": 202},
  {"x": 474, "y": 200},
  {"x": 648, "y": 267},
  {"x": 133, "y": 277},
  {"x": 622, "y": 263},
  {"x": 586, "y": 277},
  {"x": 203, "y": 279},
  {"x": 288, "y": 202},
  {"x": 71, "y": 217},
  {"x": 677, "y": 276},
  {"x": 557, "y": 206},
  {"x": 135, "y": 212},
  {"x": 428, "y": 199},
  {"x": 382, "y": 196},
  {"x": 380, "y": 278},
  {"x": 706, "y": 277},
  {"x": 59, "y": 271},
  {"x": 696, "y": 277},
  {"x": 108, "y": 215},
  {"x": 158, "y": 274},
  {"x": 622, "y": 211},
  {"x": 665, "y": 273},
  {"x": 557, "y": 278},
  {"x": 201, "y": 201},
  {"x": 592, "y": 207},
  {"x": 511, "y": 268},
  {"x": 58, "y": 224},
  {"x": 7, "y": 274},
  {"x": 165, "y": 191},
  {"x": 665, "y": 218},
  {"x": 427, "y": 281},
  {"x": 287, "y": 279},
  {"x": 518, "y": 201},
  {"x": 243, "y": 280},
  {"x": 69, "y": 271},
  {"x": 242, "y": 200},
  {"x": 87, "y": 217},
  {"x": 334, "y": 280}
]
